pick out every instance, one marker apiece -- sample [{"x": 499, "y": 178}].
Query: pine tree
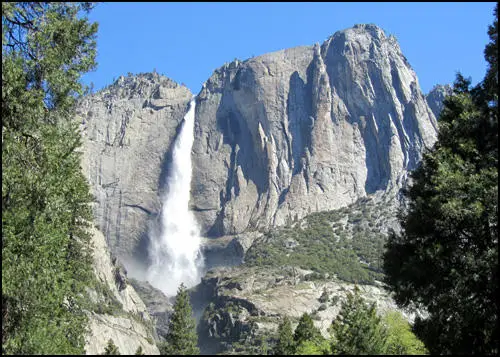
[
  {"x": 446, "y": 258},
  {"x": 285, "y": 344},
  {"x": 181, "y": 338},
  {"x": 357, "y": 328},
  {"x": 305, "y": 330},
  {"x": 111, "y": 348},
  {"x": 46, "y": 255},
  {"x": 308, "y": 338}
]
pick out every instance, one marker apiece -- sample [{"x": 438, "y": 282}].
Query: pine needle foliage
[
  {"x": 445, "y": 260},
  {"x": 46, "y": 253},
  {"x": 286, "y": 343},
  {"x": 181, "y": 338},
  {"x": 357, "y": 329}
]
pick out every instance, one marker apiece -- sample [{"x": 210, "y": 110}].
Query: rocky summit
[
  {"x": 306, "y": 129},
  {"x": 299, "y": 155}
]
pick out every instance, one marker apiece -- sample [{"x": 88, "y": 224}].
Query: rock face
[
  {"x": 248, "y": 302},
  {"x": 277, "y": 136},
  {"x": 436, "y": 96},
  {"x": 127, "y": 130},
  {"x": 159, "y": 306},
  {"x": 306, "y": 129},
  {"x": 130, "y": 325}
]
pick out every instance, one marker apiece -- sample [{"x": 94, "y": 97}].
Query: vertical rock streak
[{"x": 175, "y": 250}]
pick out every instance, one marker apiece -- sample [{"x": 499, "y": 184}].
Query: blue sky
[{"x": 188, "y": 41}]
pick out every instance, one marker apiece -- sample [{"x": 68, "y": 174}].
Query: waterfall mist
[{"x": 174, "y": 248}]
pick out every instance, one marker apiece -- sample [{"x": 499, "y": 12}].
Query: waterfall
[{"x": 174, "y": 248}]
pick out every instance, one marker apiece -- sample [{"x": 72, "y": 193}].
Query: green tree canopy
[
  {"x": 357, "y": 329},
  {"x": 400, "y": 338},
  {"x": 181, "y": 338},
  {"x": 285, "y": 344},
  {"x": 314, "y": 347},
  {"x": 446, "y": 258},
  {"x": 46, "y": 256},
  {"x": 305, "y": 330},
  {"x": 307, "y": 339},
  {"x": 111, "y": 348}
]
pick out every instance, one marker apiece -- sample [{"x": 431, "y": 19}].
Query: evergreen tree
[
  {"x": 46, "y": 255},
  {"x": 111, "y": 348},
  {"x": 285, "y": 344},
  {"x": 357, "y": 328},
  {"x": 446, "y": 258},
  {"x": 181, "y": 338},
  {"x": 306, "y": 331},
  {"x": 307, "y": 339}
]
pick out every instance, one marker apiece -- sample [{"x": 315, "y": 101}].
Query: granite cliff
[
  {"x": 115, "y": 309},
  {"x": 331, "y": 127},
  {"x": 306, "y": 129},
  {"x": 277, "y": 137},
  {"x": 127, "y": 131}
]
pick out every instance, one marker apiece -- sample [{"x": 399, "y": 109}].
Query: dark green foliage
[
  {"x": 306, "y": 331},
  {"x": 285, "y": 344},
  {"x": 353, "y": 253},
  {"x": 308, "y": 339},
  {"x": 111, "y": 348},
  {"x": 490, "y": 83},
  {"x": 181, "y": 338},
  {"x": 446, "y": 258},
  {"x": 357, "y": 328},
  {"x": 46, "y": 256}
]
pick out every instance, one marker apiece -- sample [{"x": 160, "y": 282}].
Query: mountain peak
[{"x": 352, "y": 33}]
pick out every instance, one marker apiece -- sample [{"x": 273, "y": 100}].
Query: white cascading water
[{"x": 175, "y": 249}]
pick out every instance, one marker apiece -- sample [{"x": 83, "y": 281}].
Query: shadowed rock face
[
  {"x": 306, "y": 129},
  {"x": 277, "y": 136}
]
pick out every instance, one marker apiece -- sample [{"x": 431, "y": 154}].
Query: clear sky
[{"x": 188, "y": 41}]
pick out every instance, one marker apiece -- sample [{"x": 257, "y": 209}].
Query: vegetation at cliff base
[
  {"x": 46, "y": 256},
  {"x": 111, "y": 348},
  {"x": 181, "y": 338},
  {"x": 446, "y": 258},
  {"x": 400, "y": 338},
  {"x": 285, "y": 344},
  {"x": 347, "y": 242},
  {"x": 357, "y": 329},
  {"x": 308, "y": 339}
]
